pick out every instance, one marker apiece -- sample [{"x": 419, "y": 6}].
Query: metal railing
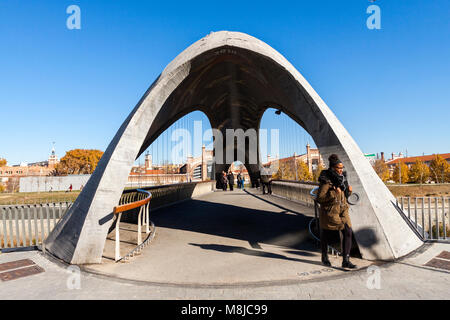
[
  {"x": 128, "y": 202},
  {"x": 428, "y": 215},
  {"x": 28, "y": 225}
]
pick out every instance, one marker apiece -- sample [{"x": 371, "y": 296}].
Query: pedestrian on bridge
[
  {"x": 224, "y": 181},
  {"x": 231, "y": 180},
  {"x": 239, "y": 178},
  {"x": 332, "y": 197},
  {"x": 242, "y": 182}
]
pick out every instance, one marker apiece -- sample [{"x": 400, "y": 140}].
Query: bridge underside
[
  {"x": 233, "y": 78},
  {"x": 234, "y": 89}
]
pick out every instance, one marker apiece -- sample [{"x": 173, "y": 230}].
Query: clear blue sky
[{"x": 390, "y": 88}]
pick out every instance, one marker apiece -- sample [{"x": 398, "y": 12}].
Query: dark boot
[
  {"x": 346, "y": 262},
  {"x": 325, "y": 260}
]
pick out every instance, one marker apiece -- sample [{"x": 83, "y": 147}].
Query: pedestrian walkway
[
  {"x": 227, "y": 238},
  {"x": 240, "y": 246},
  {"x": 404, "y": 279}
]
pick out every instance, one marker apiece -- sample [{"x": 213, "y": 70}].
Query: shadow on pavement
[
  {"x": 241, "y": 250},
  {"x": 233, "y": 221}
]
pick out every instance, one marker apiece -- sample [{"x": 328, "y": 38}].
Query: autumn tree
[
  {"x": 419, "y": 172},
  {"x": 286, "y": 171},
  {"x": 303, "y": 173},
  {"x": 402, "y": 168},
  {"x": 2, "y": 162},
  {"x": 317, "y": 172},
  {"x": 439, "y": 170},
  {"x": 78, "y": 161},
  {"x": 382, "y": 170}
]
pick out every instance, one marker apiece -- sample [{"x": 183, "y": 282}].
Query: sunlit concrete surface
[
  {"x": 406, "y": 278},
  {"x": 227, "y": 238}
]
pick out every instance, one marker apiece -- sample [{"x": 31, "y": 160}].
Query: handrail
[
  {"x": 133, "y": 205},
  {"x": 144, "y": 205}
]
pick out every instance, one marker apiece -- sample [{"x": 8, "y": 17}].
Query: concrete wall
[
  {"x": 44, "y": 184},
  {"x": 294, "y": 190}
]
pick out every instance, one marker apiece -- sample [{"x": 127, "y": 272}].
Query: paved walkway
[
  {"x": 265, "y": 255},
  {"x": 226, "y": 238}
]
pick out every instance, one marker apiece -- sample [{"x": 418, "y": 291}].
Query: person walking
[
  {"x": 242, "y": 182},
  {"x": 239, "y": 180},
  {"x": 266, "y": 180},
  {"x": 332, "y": 197},
  {"x": 224, "y": 181},
  {"x": 231, "y": 180}
]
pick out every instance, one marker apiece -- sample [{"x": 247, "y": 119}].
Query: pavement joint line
[
  {"x": 259, "y": 284},
  {"x": 238, "y": 285}
]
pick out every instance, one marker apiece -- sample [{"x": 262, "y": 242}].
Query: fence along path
[
  {"x": 426, "y": 213},
  {"x": 29, "y": 224}
]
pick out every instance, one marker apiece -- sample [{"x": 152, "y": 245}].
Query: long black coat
[
  {"x": 230, "y": 178},
  {"x": 333, "y": 205}
]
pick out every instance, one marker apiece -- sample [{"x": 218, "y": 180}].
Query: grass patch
[
  {"x": 424, "y": 190},
  {"x": 37, "y": 197}
]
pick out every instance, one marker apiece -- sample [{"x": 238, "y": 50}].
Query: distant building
[
  {"x": 10, "y": 175},
  {"x": 391, "y": 163},
  {"x": 372, "y": 158},
  {"x": 312, "y": 158},
  {"x": 199, "y": 168}
]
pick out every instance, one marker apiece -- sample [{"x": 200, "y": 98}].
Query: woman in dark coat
[
  {"x": 332, "y": 197},
  {"x": 224, "y": 181},
  {"x": 231, "y": 180}
]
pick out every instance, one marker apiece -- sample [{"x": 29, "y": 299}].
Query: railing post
[
  {"x": 443, "y": 218},
  {"x": 409, "y": 208},
  {"x": 423, "y": 218},
  {"x": 139, "y": 240},
  {"x": 17, "y": 233},
  {"x": 147, "y": 218},
  {"x": 117, "y": 251},
  {"x": 4, "y": 217},
  {"x": 415, "y": 211},
  {"x": 436, "y": 213},
  {"x": 430, "y": 225}
]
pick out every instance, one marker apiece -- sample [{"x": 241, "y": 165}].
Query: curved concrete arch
[{"x": 231, "y": 74}]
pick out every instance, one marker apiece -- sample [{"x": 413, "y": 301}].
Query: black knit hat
[{"x": 334, "y": 160}]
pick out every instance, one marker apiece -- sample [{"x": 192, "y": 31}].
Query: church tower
[{"x": 53, "y": 159}]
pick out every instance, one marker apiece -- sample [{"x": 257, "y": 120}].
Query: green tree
[
  {"x": 402, "y": 168},
  {"x": 439, "y": 170},
  {"x": 78, "y": 161},
  {"x": 382, "y": 170},
  {"x": 419, "y": 172}
]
